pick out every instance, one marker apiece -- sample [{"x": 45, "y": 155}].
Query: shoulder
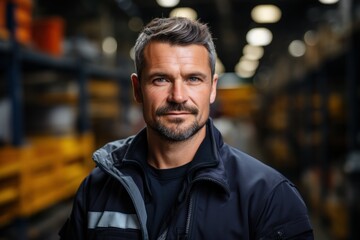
[
  {"x": 243, "y": 168},
  {"x": 265, "y": 190},
  {"x": 249, "y": 170},
  {"x": 253, "y": 180}
]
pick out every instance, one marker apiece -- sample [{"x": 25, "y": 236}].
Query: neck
[{"x": 164, "y": 154}]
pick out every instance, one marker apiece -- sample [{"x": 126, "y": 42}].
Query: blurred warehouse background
[{"x": 288, "y": 94}]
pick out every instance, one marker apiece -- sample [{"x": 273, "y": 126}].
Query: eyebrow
[
  {"x": 202, "y": 75},
  {"x": 157, "y": 74},
  {"x": 163, "y": 74}
]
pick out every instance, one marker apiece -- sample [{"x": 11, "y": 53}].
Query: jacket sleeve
[
  {"x": 76, "y": 225},
  {"x": 284, "y": 215}
]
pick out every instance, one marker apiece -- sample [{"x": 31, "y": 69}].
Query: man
[{"x": 177, "y": 179}]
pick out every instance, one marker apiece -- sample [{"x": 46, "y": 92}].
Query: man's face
[{"x": 176, "y": 89}]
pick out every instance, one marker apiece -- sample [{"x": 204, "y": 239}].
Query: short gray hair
[{"x": 175, "y": 31}]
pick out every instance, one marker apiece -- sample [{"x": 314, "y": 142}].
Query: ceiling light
[
  {"x": 242, "y": 72},
  {"x": 109, "y": 45},
  {"x": 259, "y": 36},
  {"x": 328, "y": 1},
  {"x": 266, "y": 13},
  {"x": 297, "y": 48},
  {"x": 168, "y": 3},
  {"x": 253, "y": 52},
  {"x": 132, "y": 53},
  {"x": 248, "y": 65},
  {"x": 184, "y": 12}
]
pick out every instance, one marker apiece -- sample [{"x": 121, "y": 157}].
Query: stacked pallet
[{"x": 44, "y": 172}]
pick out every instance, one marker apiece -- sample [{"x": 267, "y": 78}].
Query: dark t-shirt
[{"x": 165, "y": 185}]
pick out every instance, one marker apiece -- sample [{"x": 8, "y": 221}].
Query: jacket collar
[{"x": 206, "y": 166}]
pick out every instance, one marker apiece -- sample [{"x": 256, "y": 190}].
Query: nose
[{"x": 178, "y": 92}]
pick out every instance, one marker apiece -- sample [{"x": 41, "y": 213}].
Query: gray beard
[{"x": 177, "y": 136}]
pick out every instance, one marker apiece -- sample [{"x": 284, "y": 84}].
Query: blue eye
[
  {"x": 194, "y": 80},
  {"x": 160, "y": 81}
]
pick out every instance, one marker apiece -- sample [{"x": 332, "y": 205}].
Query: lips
[{"x": 177, "y": 113}]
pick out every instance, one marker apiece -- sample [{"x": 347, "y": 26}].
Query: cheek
[
  {"x": 150, "y": 103},
  {"x": 156, "y": 97}
]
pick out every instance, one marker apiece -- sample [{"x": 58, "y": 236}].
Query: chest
[
  {"x": 204, "y": 214},
  {"x": 208, "y": 215}
]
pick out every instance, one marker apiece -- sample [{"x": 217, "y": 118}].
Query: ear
[
  {"x": 213, "y": 88},
  {"x": 136, "y": 88}
]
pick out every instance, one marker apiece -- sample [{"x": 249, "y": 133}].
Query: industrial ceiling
[{"x": 229, "y": 21}]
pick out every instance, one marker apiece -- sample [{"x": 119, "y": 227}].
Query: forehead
[{"x": 166, "y": 53}]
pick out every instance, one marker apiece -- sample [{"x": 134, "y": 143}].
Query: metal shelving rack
[
  {"x": 18, "y": 59},
  {"x": 18, "y": 160}
]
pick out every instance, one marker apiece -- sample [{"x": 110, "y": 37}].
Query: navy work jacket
[{"x": 229, "y": 195}]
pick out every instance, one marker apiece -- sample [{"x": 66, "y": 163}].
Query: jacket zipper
[
  {"x": 191, "y": 202},
  {"x": 189, "y": 216},
  {"x": 190, "y": 212}
]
